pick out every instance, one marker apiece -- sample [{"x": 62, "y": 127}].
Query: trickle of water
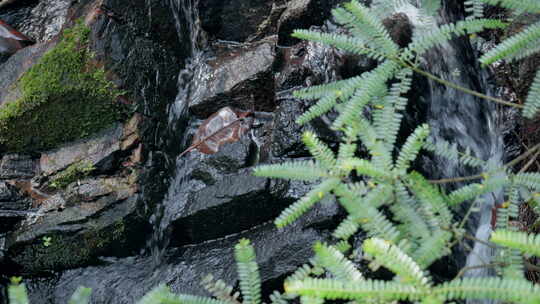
[{"x": 189, "y": 30}]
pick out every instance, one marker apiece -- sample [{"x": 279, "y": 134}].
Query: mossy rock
[{"x": 64, "y": 97}]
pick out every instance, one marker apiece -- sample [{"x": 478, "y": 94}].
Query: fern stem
[
  {"x": 460, "y": 88},
  {"x": 465, "y": 269}
]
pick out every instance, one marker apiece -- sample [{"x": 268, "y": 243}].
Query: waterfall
[
  {"x": 471, "y": 123},
  {"x": 189, "y": 29}
]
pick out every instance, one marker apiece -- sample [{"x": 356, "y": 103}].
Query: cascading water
[
  {"x": 189, "y": 28},
  {"x": 471, "y": 123}
]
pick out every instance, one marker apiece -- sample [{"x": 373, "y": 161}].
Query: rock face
[{"x": 120, "y": 211}]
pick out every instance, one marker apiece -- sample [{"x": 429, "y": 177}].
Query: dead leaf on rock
[
  {"x": 11, "y": 40},
  {"x": 225, "y": 126}
]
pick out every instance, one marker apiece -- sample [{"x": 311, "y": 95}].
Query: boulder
[
  {"x": 238, "y": 77},
  {"x": 91, "y": 218},
  {"x": 20, "y": 166},
  {"x": 96, "y": 150},
  {"x": 234, "y": 20}
]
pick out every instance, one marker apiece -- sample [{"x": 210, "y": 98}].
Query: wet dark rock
[
  {"x": 14, "y": 68},
  {"x": 237, "y": 202},
  {"x": 13, "y": 207},
  {"x": 239, "y": 77},
  {"x": 302, "y": 14},
  {"x": 96, "y": 150},
  {"x": 17, "y": 166},
  {"x": 279, "y": 252},
  {"x": 92, "y": 218},
  {"x": 234, "y": 19},
  {"x": 46, "y": 19}
]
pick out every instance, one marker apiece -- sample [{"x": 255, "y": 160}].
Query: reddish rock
[{"x": 11, "y": 40}]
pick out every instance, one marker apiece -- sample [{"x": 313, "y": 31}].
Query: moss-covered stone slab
[{"x": 63, "y": 97}]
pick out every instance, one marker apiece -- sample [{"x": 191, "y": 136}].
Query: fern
[
  {"x": 475, "y": 9},
  {"x": 533, "y": 99},
  {"x": 527, "y": 243},
  {"x": 513, "y": 44},
  {"x": 293, "y": 212},
  {"x": 301, "y": 170},
  {"x": 335, "y": 262},
  {"x": 412, "y": 146},
  {"x": 319, "y": 150},
  {"x": 17, "y": 294},
  {"x": 248, "y": 272},
  {"x": 391, "y": 257}
]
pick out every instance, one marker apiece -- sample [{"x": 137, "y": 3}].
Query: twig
[{"x": 465, "y": 269}]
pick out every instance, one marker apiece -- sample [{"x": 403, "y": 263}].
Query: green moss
[
  {"x": 71, "y": 174},
  {"x": 65, "y": 96}
]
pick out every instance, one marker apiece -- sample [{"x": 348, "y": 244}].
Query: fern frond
[
  {"x": 319, "y": 150},
  {"x": 345, "y": 290},
  {"x": 529, "y": 179},
  {"x": 446, "y": 32},
  {"x": 513, "y": 44},
  {"x": 533, "y": 99},
  {"x": 365, "y": 167},
  {"x": 335, "y": 262},
  {"x": 322, "y": 106},
  {"x": 80, "y": 296},
  {"x": 303, "y": 272},
  {"x": 322, "y": 90},
  {"x": 517, "y": 291},
  {"x": 297, "y": 209},
  {"x": 369, "y": 25},
  {"x": 248, "y": 272},
  {"x": 219, "y": 289},
  {"x": 311, "y": 300},
  {"x": 526, "y": 243},
  {"x": 347, "y": 228},
  {"x": 474, "y": 9},
  {"x": 17, "y": 294},
  {"x": 412, "y": 146},
  {"x": 490, "y": 184},
  {"x": 432, "y": 199},
  {"x": 391, "y": 257},
  {"x": 346, "y": 43},
  {"x": 278, "y": 298},
  {"x": 449, "y": 151},
  {"x": 531, "y": 6},
  {"x": 432, "y": 248},
  {"x": 300, "y": 170},
  {"x": 370, "y": 218}
]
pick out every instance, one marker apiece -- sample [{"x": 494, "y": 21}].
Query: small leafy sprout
[
  {"x": 47, "y": 241},
  {"x": 16, "y": 280}
]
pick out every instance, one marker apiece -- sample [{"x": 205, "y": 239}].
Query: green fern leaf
[
  {"x": 474, "y": 9},
  {"x": 294, "y": 211},
  {"x": 336, "y": 263},
  {"x": 346, "y": 290},
  {"x": 410, "y": 149},
  {"x": 432, "y": 248},
  {"x": 347, "y": 228},
  {"x": 438, "y": 36},
  {"x": 517, "y": 291},
  {"x": 391, "y": 257},
  {"x": 533, "y": 99},
  {"x": 319, "y": 150},
  {"x": 300, "y": 170},
  {"x": 513, "y": 44},
  {"x": 248, "y": 272},
  {"x": 163, "y": 295},
  {"x": 324, "y": 105},
  {"x": 367, "y": 24},
  {"x": 527, "y": 243}
]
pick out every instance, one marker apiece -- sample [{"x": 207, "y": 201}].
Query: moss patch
[
  {"x": 71, "y": 174},
  {"x": 65, "y": 96}
]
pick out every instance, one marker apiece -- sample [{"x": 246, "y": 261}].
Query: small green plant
[
  {"x": 71, "y": 174},
  {"x": 47, "y": 241}
]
